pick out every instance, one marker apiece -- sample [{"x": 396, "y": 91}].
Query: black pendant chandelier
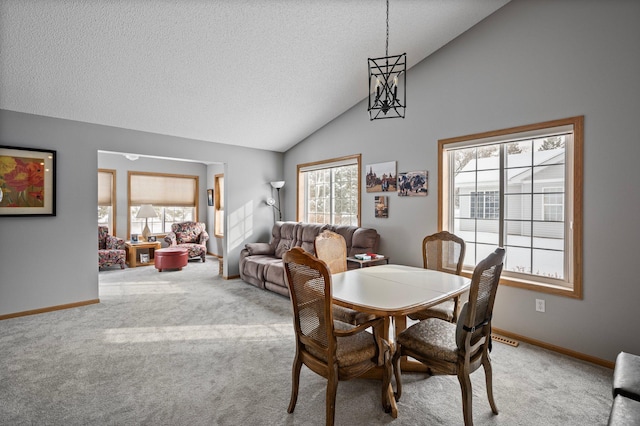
[{"x": 386, "y": 98}]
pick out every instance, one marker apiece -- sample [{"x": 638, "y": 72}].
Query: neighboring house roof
[{"x": 518, "y": 164}]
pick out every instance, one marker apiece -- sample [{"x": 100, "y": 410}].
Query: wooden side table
[
  {"x": 369, "y": 262},
  {"x": 135, "y": 249}
]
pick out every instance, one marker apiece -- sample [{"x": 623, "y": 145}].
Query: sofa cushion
[
  {"x": 364, "y": 240},
  {"x": 285, "y": 233},
  {"x": 256, "y": 268},
  {"x": 259, "y": 248},
  {"x": 274, "y": 273},
  {"x": 307, "y": 234}
]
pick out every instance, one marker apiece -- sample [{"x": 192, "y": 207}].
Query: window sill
[{"x": 574, "y": 293}]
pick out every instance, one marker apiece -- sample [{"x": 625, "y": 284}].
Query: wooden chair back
[
  {"x": 332, "y": 249},
  {"x": 474, "y": 324},
  {"x": 443, "y": 251},
  {"x": 309, "y": 283}
]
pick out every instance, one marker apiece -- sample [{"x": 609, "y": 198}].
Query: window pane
[
  {"x": 470, "y": 254},
  {"x": 518, "y": 154},
  {"x": 104, "y": 216},
  {"x": 518, "y": 180},
  {"x": 548, "y": 235},
  {"x": 550, "y": 150},
  {"x": 462, "y": 157},
  {"x": 488, "y": 157},
  {"x": 548, "y": 263},
  {"x": 518, "y": 259},
  {"x": 517, "y": 207},
  {"x": 488, "y": 231}
]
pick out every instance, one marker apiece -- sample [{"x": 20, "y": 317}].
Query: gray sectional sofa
[{"x": 261, "y": 263}]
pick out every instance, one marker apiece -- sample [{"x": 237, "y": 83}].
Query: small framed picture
[
  {"x": 151, "y": 239},
  {"x": 381, "y": 206},
  {"x": 144, "y": 258},
  {"x": 210, "y": 197},
  {"x": 134, "y": 238}
]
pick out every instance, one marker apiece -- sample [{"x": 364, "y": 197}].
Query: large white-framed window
[
  {"x": 329, "y": 191},
  {"x": 174, "y": 198},
  {"x": 107, "y": 199},
  {"x": 521, "y": 189}
]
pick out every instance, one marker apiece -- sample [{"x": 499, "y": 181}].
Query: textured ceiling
[{"x": 262, "y": 74}]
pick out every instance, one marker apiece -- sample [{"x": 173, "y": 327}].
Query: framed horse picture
[{"x": 413, "y": 184}]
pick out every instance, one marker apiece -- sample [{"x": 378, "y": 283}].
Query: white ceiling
[{"x": 262, "y": 74}]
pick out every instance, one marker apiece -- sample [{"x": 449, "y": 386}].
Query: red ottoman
[{"x": 171, "y": 258}]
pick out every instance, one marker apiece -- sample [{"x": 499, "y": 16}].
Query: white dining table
[{"x": 393, "y": 292}]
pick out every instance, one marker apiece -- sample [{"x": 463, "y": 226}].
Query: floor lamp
[{"x": 277, "y": 185}]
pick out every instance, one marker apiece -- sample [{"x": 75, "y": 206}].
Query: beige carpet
[{"x": 188, "y": 348}]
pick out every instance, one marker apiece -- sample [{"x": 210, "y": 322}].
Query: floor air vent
[{"x": 505, "y": 340}]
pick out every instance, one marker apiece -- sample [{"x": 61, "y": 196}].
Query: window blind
[
  {"x": 105, "y": 188},
  {"x": 163, "y": 190}
]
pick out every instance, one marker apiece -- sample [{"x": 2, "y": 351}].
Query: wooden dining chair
[
  {"x": 442, "y": 251},
  {"x": 332, "y": 249},
  {"x": 458, "y": 349},
  {"x": 331, "y": 348}
]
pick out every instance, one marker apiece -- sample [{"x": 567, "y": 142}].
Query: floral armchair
[
  {"x": 191, "y": 235},
  {"x": 110, "y": 249}
]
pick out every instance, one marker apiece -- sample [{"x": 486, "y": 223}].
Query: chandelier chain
[{"x": 387, "y": 46}]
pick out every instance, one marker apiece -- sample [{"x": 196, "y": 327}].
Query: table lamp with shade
[{"x": 146, "y": 211}]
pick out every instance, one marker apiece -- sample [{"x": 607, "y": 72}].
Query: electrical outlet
[{"x": 540, "y": 305}]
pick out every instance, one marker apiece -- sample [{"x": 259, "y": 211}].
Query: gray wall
[
  {"x": 50, "y": 261},
  {"x": 531, "y": 61}
]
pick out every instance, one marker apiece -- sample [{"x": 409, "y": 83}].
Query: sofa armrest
[
  {"x": 170, "y": 238},
  {"x": 114, "y": 243},
  {"x": 204, "y": 237},
  {"x": 260, "y": 248}
]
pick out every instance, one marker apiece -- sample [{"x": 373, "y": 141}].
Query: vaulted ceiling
[{"x": 262, "y": 73}]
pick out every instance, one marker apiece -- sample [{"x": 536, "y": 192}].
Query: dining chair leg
[
  {"x": 486, "y": 363},
  {"x": 397, "y": 372},
  {"x": 295, "y": 383},
  {"x": 332, "y": 390},
  {"x": 467, "y": 397}
]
